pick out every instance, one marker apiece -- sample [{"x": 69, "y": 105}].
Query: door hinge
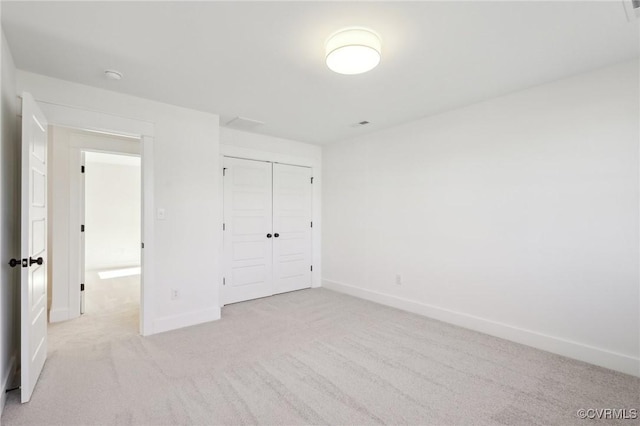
[
  {"x": 224, "y": 171},
  {"x": 81, "y": 228},
  {"x": 312, "y": 180},
  {"x": 312, "y": 224},
  {"x": 311, "y": 268},
  {"x": 224, "y": 226},
  {"x": 224, "y": 281},
  {"x": 142, "y": 245},
  {"x": 82, "y": 287},
  {"x": 81, "y": 169}
]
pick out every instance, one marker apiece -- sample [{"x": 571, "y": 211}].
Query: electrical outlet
[
  {"x": 175, "y": 294},
  {"x": 398, "y": 279}
]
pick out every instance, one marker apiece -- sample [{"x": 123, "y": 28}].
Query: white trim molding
[
  {"x": 148, "y": 235},
  {"x": 58, "y": 314},
  {"x": 83, "y": 119},
  {"x": 174, "y": 322},
  {"x": 601, "y": 357}
]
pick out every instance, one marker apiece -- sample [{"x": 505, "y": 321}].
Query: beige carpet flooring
[{"x": 308, "y": 357}]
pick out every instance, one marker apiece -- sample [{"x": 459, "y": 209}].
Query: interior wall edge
[
  {"x": 10, "y": 150},
  {"x": 597, "y": 356},
  {"x": 8, "y": 379}
]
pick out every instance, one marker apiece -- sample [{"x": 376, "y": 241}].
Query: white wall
[
  {"x": 186, "y": 182},
  {"x": 9, "y": 217},
  {"x": 241, "y": 144},
  {"x": 517, "y": 216},
  {"x": 112, "y": 212}
]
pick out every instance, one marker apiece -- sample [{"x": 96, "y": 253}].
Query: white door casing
[
  {"x": 247, "y": 230},
  {"x": 82, "y": 231},
  {"x": 33, "y": 250},
  {"x": 292, "y": 224}
]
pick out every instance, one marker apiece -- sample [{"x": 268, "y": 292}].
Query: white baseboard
[
  {"x": 615, "y": 361},
  {"x": 57, "y": 315},
  {"x": 174, "y": 322},
  {"x": 7, "y": 380}
]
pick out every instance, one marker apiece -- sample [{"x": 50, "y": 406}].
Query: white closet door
[
  {"x": 248, "y": 243},
  {"x": 292, "y": 225}
]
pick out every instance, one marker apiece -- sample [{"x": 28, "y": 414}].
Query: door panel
[
  {"x": 248, "y": 253},
  {"x": 33, "y": 297},
  {"x": 292, "y": 221}
]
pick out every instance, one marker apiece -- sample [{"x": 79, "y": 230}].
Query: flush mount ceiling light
[
  {"x": 113, "y": 75},
  {"x": 353, "y": 51}
]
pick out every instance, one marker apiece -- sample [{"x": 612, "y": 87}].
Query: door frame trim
[{"x": 84, "y": 119}]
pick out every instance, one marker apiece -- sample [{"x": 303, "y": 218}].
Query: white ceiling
[{"x": 265, "y": 60}]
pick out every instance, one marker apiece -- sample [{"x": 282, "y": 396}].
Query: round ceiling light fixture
[{"x": 353, "y": 51}]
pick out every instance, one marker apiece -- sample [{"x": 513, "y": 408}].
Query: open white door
[{"x": 33, "y": 246}]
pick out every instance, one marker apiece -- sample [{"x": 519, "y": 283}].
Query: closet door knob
[
  {"x": 268, "y": 235},
  {"x": 39, "y": 261},
  {"x": 276, "y": 235}
]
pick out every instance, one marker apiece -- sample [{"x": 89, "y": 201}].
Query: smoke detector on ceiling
[
  {"x": 632, "y": 8},
  {"x": 244, "y": 123},
  {"x": 112, "y": 75}
]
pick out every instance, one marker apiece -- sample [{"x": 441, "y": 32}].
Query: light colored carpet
[
  {"x": 309, "y": 357},
  {"x": 106, "y": 296}
]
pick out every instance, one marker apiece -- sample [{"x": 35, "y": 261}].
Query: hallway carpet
[{"x": 308, "y": 357}]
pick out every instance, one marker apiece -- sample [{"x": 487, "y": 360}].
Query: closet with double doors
[{"x": 267, "y": 227}]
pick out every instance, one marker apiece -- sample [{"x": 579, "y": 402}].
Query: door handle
[
  {"x": 14, "y": 262},
  {"x": 39, "y": 261},
  {"x": 276, "y": 235},
  {"x": 268, "y": 235}
]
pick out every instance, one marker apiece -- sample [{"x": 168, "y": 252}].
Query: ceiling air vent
[
  {"x": 244, "y": 123},
  {"x": 632, "y": 7},
  {"x": 360, "y": 123}
]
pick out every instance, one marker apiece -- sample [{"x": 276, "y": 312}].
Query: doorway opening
[
  {"x": 111, "y": 258},
  {"x": 96, "y": 231}
]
